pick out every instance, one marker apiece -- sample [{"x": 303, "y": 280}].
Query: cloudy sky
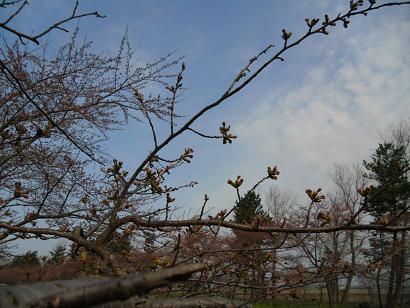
[{"x": 325, "y": 104}]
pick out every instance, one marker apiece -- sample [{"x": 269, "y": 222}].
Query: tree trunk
[
  {"x": 389, "y": 297},
  {"x": 379, "y": 295},
  {"x": 332, "y": 287},
  {"x": 400, "y": 270},
  {"x": 346, "y": 291},
  {"x": 329, "y": 295}
]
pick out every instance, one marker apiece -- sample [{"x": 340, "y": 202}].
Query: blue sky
[{"x": 325, "y": 104}]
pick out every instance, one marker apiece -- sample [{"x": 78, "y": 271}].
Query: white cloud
[{"x": 360, "y": 87}]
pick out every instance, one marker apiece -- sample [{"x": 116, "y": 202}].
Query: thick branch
[{"x": 83, "y": 293}]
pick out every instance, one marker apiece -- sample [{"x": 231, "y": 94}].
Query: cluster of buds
[
  {"x": 179, "y": 78},
  {"x": 354, "y": 5},
  {"x": 153, "y": 181},
  {"x": 149, "y": 173},
  {"x": 115, "y": 195},
  {"x": 169, "y": 198},
  {"x": 155, "y": 187},
  {"x": 371, "y": 266},
  {"x": 129, "y": 230},
  {"x": 116, "y": 167},
  {"x": 93, "y": 211},
  {"x": 311, "y": 22},
  {"x": 31, "y": 216},
  {"x": 187, "y": 156},
  {"x": 221, "y": 214},
  {"x": 5, "y": 134},
  {"x": 301, "y": 273},
  {"x": 153, "y": 160},
  {"x": 314, "y": 195},
  {"x": 85, "y": 199},
  {"x": 45, "y": 132},
  {"x": 196, "y": 229},
  {"x": 273, "y": 173},
  {"x": 178, "y": 84},
  {"x": 162, "y": 262},
  {"x": 21, "y": 129},
  {"x": 19, "y": 192},
  {"x": 238, "y": 182},
  {"x": 325, "y": 218},
  {"x": 384, "y": 220},
  {"x": 271, "y": 257},
  {"x": 68, "y": 160},
  {"x": 345, "y": 23},
  {"x": 286, "y": 35},
  {"x": 8, "y": 213},
  {"x": 139, "y": 96},
  {"x": 226, "y": 135},
  {"x": 165, "y": 170},
  {"x": 327, "y": 21},
  {"x": 366, "y": 190},
  {"x": 63, "y": 228}
]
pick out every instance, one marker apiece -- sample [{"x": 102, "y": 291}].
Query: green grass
[{"x": 300, "y": 305}]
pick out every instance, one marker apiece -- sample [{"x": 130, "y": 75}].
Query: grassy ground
[
  {"x": 301, "y": 305},
  {"x": 310, "y": 305}
]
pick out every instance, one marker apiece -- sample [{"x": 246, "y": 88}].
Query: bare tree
[{"x": 49, "y": 111}]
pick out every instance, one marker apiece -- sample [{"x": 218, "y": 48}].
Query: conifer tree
[
  {"x": 57, "y": 255},
  {"x": 388, "y": 203},
  {"x": 248, "y": 208}
]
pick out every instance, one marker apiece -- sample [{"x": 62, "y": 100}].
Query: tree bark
[
  {"x": 400, "y": 270},
  {"x": 90, "y": 292}
]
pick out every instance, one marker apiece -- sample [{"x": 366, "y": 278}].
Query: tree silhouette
[
  {"x": 248, "y": 208},
  {"x": 54, "y": 114},
  {"x": 389, "y": 203}
]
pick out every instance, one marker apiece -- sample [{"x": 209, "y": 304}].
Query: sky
[{"x": 325, "y": 104}]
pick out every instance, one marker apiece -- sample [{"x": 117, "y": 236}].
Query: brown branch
[
  {"x": 264, "y": 229},
  {"x": 177, "y": 247},
  {"x": 259, "y": 182},
  {"x": 203, "y": 135},
  {"x": 83, "y": 293},
  {"x": 70, "y": 236},
  {"x": 57, "y": 25},
  {"x": 206, "y": 199},
  {"x": 18, "y": 85},
  {"x": 15, "y": 13}
]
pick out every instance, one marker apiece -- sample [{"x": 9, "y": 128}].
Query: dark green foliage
[
  {"x": 248, "y": 208},
  {"x": 29, "y": 258},
  {"x": 388, "y": 167},
  {"x": 58, "y": 254},
  {"x": 379, "y": 247}
]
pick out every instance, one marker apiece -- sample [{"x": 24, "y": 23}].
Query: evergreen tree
[
  {"x": 248, "y": 208},
  {"x": 28, "y": 259},
  {"x": 388, "y": 167},
  {"x": 57, "y": 255},
  {"x": 388, "y": 203}
]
